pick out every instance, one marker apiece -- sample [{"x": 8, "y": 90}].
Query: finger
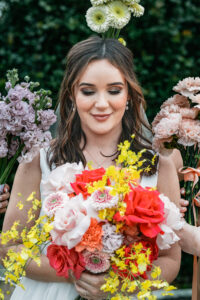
[
  {"x": 183, "y": 209},
  {"x": 6, "y": 188},
  {"x": 93, "y": 291},
  {"x": 5, "y": 196},
  {"x": 82, "y": 292},
  {"x": 3, "y": 204},
  {"x": 184, "y": 202},
  {"x": 2, "y": 210}
]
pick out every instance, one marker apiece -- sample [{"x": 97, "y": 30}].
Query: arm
[
  {"x": 190, "y": 239},
  {"x": 168, "y": 184},
  {"x": 26, "y": 181}
]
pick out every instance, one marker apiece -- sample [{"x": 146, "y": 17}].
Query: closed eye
[
  {"x": 87, "y": 92},
  {"x": 114, "y": 92}
]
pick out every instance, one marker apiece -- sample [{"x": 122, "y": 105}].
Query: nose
[{"x": 101, "y": 101}]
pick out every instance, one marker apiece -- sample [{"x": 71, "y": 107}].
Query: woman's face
[{"x": 101, "y": 95}]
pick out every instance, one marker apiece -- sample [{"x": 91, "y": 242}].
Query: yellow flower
[
  {"x": 156, "y": 272},
  {"x": 20, "y": 205},
  {"x": 1, "y": 295},
  {"x": 122, "y": 41},
  {"x": 31, "y": 196}
]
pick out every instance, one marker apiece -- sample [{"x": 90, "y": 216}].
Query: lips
[{"x": 101, "y": 117}]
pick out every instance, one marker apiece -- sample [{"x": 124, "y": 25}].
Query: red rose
[
  {"x": 62, "y": 260},
  {"x": 145, "y": 208},
  {"x": 87, "y": 176}
]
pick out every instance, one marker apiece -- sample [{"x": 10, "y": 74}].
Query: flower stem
[{"x": 6, "y": 168}]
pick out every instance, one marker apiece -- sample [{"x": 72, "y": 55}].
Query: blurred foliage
[{"x": 35, "y": 36}]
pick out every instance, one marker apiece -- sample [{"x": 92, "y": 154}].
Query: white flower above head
[
  {"x": 98, "y": 2},
  {"x": 60, "y": 178},
  {"x": 188, "y": 87},
  {"x": 119, "y": 14},
  {"x": 172, "y": 222},
  {"x": 98, "y": 18},
  {"x": 102, "y": 199},
  {"x": 136, "y": 9}
]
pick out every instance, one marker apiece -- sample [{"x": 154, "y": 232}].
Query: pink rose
[{"x": 70, "y": 223}]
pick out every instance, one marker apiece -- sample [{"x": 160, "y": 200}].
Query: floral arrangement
[
  {"x": 25, "y": 117},
  {"x": 177, "y": 126},
  {"x": 100, "y": 220},
  {"x": 109, "y": 17}
]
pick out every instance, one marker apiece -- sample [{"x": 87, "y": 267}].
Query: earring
[
  {"x": 73, "y": 107},
  {"x": 127, "y": 105}
]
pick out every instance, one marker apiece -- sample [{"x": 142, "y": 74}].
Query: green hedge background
[{"x": 35, "y": 36}]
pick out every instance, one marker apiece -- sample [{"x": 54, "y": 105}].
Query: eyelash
[{"x": 90, "y": 93}]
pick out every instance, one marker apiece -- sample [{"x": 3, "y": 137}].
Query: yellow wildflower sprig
[
  {"x": 32, "y": 241},
  {"x": 123, "y": 286}
]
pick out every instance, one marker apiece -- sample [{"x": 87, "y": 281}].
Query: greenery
[{"x": 35, "y": 36}]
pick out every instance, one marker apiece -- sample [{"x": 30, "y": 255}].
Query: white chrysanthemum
[
  {"x": 119, "y": 14},
  {"x": 98, "y": 18},
  {"x": 136, "y": 9},
  {"x": 98, "y": 2}
]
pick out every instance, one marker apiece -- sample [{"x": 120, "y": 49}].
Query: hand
[
  {"x": 183, "y": 206},
  {"x": 88, "y": 286},
  {"x": 4, "y": 199}
]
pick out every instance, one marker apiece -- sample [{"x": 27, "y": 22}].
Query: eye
[
  {"x": 87, "y": 92},
  {"x": 114, "y": 91}
]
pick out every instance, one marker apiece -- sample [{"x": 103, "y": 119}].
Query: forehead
[{"x": 101, "y": 70}]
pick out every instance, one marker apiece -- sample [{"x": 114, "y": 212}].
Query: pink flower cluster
[
  {"x": 25, "y": 118},
  {"x": 178, "y": 117}
]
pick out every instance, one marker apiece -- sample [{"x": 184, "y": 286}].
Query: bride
[{"x": 100, "y": 101}]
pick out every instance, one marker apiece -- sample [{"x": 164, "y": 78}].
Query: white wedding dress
[{"x": 39, "y": 290}]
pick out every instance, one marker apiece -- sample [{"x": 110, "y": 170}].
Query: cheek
[{"x": 83, "y": 104}]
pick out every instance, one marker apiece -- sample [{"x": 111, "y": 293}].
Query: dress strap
[
  {"x": 149, "y": 181},
  {"x": 43, "y": 163}
]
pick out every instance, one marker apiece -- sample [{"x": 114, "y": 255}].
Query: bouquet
[
  {"x": 177, "y": 126},
  {"x": 25, "y": 118},
  {"x": 100, "y": 220},
  {"x": 109, "y": 17}
]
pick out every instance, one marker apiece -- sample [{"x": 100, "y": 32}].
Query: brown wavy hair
[{"x": 66, "y": 146}]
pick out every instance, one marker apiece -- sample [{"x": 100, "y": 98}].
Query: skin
[
  {"x": 4, "y": 199},
  {"x": 100, "y": 75}
]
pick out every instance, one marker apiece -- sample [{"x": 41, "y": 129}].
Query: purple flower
[
  {"x": 111, "y": 239},
  {"x": 19, "y": 108},
  {"x": 3, "y": 148},
  {"x": 47, "y": 118}
]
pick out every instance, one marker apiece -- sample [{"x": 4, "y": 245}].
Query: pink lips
[{"x": 101, "y": 117}]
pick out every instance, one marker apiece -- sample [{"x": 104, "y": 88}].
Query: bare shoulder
[{"x": 168, "y": 182}]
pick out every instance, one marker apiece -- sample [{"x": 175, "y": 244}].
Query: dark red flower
[
  {"x": 62, "y": 260},
  {"x": 145, "y": 208}
]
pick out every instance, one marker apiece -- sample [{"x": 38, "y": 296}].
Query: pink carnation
[
  {"x": 167, "y": 126},
  {"x": 165, "y": 113},
  {"x": 53, "y": 202},
  {"x": 179, "y": 100},
  {"x": 96, "y": 262},
  {"x": 188, "y": 86},
  {"x": 189, "y": 113},
  {"x": 189, "y": 133},
  {"x": 102, "y": 199}
]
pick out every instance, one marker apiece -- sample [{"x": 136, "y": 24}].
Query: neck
[{"x": 106, "y": 143}]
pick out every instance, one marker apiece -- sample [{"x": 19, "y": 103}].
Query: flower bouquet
[
  {"x": 25, "y": 118},
  {"x": 100, "y": 220},
  {"x": 177, "y": 126},
  {"x": 109, "y": 17}
]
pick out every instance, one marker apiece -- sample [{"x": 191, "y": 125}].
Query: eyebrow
[{"x": 109, "y": 84}]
